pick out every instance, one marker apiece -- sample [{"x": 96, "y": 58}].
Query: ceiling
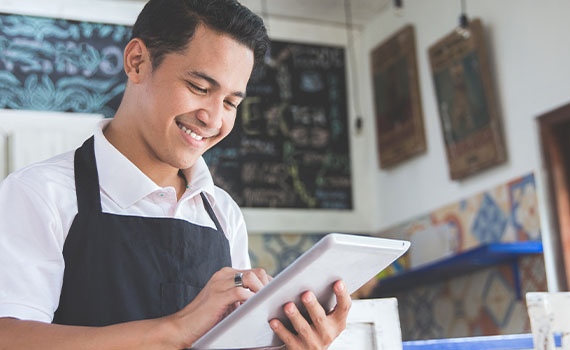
[
  {"x": 331, "y": 11},
  {"x": 320, "y": 10}
]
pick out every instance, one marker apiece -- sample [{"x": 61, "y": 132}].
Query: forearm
[
  {"x": 177, "y": 331},
  {"x": 146, "y": 334}
]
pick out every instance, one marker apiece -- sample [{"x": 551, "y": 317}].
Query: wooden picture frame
[
  {"x": 399, "y": 118},
  {"x": 554, "y": 127},
  {"x": 467, "y": 102}
]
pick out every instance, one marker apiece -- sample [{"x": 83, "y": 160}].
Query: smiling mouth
[{"x": 190, "y": 132}]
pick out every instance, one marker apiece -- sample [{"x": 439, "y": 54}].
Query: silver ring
[{"x": 238, "y": 279}]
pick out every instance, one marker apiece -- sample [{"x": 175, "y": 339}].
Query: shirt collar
[
  {"x": 132, "y": 185},
  {"x": 200, "y": 180}
]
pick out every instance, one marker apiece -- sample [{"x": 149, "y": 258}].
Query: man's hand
[
  {"x": 216, "y": 300},
  {"x": 324, "y": 328}
]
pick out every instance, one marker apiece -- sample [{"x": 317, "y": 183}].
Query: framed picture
[
  {"x": 399, "y": 119},
  {"x": 467, "y": 102}
]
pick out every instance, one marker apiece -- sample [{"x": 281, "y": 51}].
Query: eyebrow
[{"x": 214, "y": 82}]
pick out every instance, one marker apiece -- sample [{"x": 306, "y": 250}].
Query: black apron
[{"x": 122, "y": 268}]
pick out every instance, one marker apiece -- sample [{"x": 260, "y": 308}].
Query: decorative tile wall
[
  {"x": 484, "y": 302},
  {"x": 274, "y": 252},
  {"x": 507, "y": 213},
  {"x": 479, "y": 303}
]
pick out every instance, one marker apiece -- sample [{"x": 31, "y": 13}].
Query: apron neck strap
[
  {"x": 211, "y": 212},
  {"x": 87, "y": 178}
]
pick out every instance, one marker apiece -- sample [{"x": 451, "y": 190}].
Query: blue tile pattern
[
  {"x": 490, "y": 222},
  {"x": 420, "y": 304},
  {"x": 522, "y": 194},
  {"x": 499, "y": 298},
  {"x": 281, "y": 249}
]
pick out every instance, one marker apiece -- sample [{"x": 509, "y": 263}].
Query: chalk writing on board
[
  {"x": 289, "y": 147},
  {"x": 61, "y": 65}
]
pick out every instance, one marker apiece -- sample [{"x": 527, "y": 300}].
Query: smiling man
[{"x": 126, "y": 242}]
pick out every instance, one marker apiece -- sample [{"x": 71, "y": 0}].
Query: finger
[
  {"x": 223, "y": 274},
  {"x": 229, "y": 292},
  {"x": 303, "y": 328},
  {"x": 284, "y": 334},
  {"x": 237, "y": 295},
  {"x": 343, "y": 302},
  {"x": 230, "y": 309},
  {"x": 251, "y": 281},
  {"x": 316, "y": 313},
  {"x": 262, "y": 275}
]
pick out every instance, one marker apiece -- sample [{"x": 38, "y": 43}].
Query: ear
[{"x": 136, "y": 60}]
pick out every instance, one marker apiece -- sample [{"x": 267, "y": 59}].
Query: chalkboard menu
[
  {"x": 289, "y": 147},
  {"x": 61, "y": 65}
]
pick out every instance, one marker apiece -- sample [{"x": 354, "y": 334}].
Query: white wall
[
  {"x": 28, "y": 137},
  {"x": 529, "y": 45}
]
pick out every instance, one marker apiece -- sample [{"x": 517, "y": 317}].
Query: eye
[
  {"x": 197, "y": 88},
  {"x": 231, "y": 104}
]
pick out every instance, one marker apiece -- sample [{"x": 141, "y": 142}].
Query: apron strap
[
  {"x": 211, "y": 212},
  {"x": 87, "y": 179}
]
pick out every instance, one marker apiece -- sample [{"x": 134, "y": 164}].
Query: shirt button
[{"x": 161, "y": 194}]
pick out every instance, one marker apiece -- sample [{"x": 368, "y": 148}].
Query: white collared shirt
[{"x": 38, "y": 205}]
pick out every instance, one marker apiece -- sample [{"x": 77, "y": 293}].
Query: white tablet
[{"x": 353, "y": 259}]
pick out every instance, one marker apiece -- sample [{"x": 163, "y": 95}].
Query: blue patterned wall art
[{"x": 61, "y": 65}]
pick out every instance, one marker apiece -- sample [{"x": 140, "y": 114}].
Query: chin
[{"x": 187, "y": 162}]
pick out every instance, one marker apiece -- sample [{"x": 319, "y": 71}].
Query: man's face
[{"x": 190, "y": 99}]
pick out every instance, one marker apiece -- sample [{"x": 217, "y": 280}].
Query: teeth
[
  {"x": 190, "y": 132},
  {"x": 197, "y": 137}
]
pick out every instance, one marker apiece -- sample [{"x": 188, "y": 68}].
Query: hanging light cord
[
  {"x": 463, "y": 21},
  {"x": 352, "y": 51}
]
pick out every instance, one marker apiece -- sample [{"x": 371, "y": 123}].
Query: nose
[{"x": 211, "y": 114}]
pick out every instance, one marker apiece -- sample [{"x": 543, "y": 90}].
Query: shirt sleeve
[
  {"x": 239, "y": 244},
  {"x": 31, "y": 259},
  {"x": 233, "y": 224}
]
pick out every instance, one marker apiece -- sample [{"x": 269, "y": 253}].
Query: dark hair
[{"x": 168, "y": 25}]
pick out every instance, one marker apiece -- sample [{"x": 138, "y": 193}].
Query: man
[{"x": 126, "y": 243}]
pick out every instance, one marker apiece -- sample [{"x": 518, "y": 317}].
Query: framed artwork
[
  {"x": 399, "y": 119},
  {"x": 467, "y": 102}
]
